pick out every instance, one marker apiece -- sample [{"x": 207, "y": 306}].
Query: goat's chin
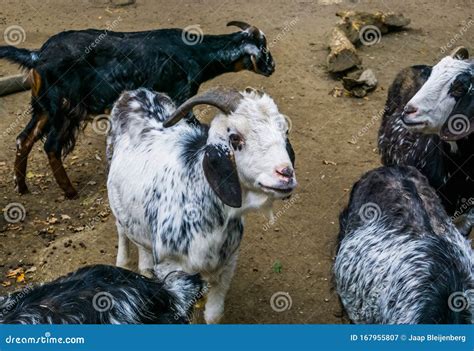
[{"x": 257, "y": 200}]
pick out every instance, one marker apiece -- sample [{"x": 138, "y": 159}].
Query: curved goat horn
[
  {"x": 240, "y": 24},
  {"x": 460, "y": 53},
  {"x": 225, "y": 100}
]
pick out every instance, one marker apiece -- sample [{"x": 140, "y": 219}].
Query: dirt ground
[{"x": 334, "y": 139}]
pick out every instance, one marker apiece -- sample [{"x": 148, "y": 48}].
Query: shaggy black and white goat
[
  {"x": 400, "y": 259},
  {"x": 105, "y": 295},
  {"x": 81, "y": 73},
  {"x": 428, "y": 124},
  {"x": 179, "y": 190}
]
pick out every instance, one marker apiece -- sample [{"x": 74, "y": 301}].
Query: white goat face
[
  {"x": 431, "y": 106},
  {"x": 255, "y": 138}
]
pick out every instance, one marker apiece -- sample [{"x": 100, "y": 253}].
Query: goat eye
[
  {"x": 236, "y": 141},
  {"x": 459, "y": 86},
  {"x": 457, "y": 90}
]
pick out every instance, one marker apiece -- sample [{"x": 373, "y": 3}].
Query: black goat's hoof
[
  {"x": 71, "y": 195},
  {"x": 22, "y": 189}
]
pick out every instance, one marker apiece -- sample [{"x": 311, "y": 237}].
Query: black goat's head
[{"x": 258, "y": 58}]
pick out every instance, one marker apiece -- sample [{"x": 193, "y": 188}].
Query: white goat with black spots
[{"x": 179, "y": 190}]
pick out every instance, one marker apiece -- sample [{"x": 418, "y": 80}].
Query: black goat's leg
[
  {"x": 53, "y": 148},
  {"x": 24, "y": 143}
]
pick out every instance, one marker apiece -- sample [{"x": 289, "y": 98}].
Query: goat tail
[{"x": 24, "y": 57}]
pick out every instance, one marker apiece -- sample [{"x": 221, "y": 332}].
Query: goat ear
[
  {"x": 221, "y": 174},
  {"x": 460, "y": 53}
]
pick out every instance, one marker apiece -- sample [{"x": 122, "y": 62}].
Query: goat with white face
[
  {"x": 428, "y": 110},
  {"x": 179, "y": 190},
  {"x": 428, "y": 123}
]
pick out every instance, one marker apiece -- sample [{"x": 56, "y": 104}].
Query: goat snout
[
  {"x": 410, "y": 110},
  {"x": 286, "y": 172}
]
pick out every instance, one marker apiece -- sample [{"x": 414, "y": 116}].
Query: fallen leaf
[
  {"x": 65, "y": 217},
  {"x": 12, "y": 273},
  {"x": 20, "y": 278}
]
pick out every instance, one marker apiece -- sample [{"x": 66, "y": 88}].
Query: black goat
[
  {"x": 434, "y": 136},
  {"x": 77, "y": 73},
  {"x": 103, "y": 294},
  {"x": 400, "y": 259}
]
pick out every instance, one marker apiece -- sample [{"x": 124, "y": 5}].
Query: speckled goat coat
[
  {"x": 161, "y": 198},
  {"x": 448, "y": 165},
  {"x": 400, "y": 259},
  {"x": 103, "y": 294}
]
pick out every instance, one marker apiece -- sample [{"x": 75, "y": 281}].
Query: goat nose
[
  {"x": 410, "y": 109},
  {"x": 286, "y": 172}
]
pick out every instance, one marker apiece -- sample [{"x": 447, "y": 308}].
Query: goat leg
[
  {"x": 24, "y": 143},
  {"x": 53, "y": 149},
  {"x": 214, "y": 310}
]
